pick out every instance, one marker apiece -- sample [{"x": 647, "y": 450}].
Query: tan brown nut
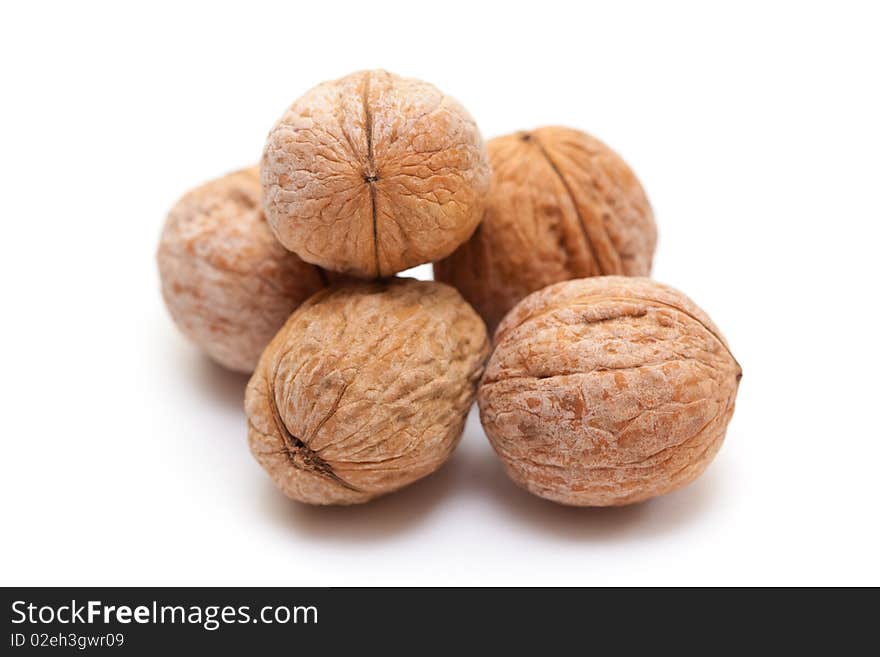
[
  {"x": 373, "y": 173},
  {"x": 561, "y": 205},
  {"x": 228, "y": 284},
  {"x": 606, "y": 391},
  {"x": 365, "y": 390}
]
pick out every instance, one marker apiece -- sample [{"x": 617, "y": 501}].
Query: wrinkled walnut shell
[
  {"x": 373, "y": 173},
  {"x": 228, "y": 284},
  {"x": 561, "y": 205},
  {"x": 365, "y": 390},
  {"x": 607, "y": 391}
]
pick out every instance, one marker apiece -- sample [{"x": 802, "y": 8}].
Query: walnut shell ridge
[
  {"x": 561, "y": 205},
  {"x": 372, "y": 174},
  {"x": 607, "y": 391},
  {"x": 365, "y": 389},
  {"x": 227, "y": 282}
]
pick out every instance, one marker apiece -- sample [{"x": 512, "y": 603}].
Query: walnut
[
  {"x": 365, "y": 389},
  {"x": 561, "y": 205},
  {"x": 607, "y": 391},
  {"x": 228, "y": 284},
  {"x": 373, "y": 173}
]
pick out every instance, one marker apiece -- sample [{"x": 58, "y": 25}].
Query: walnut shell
[
  {"x": 561, "y": 205},
  {"x": 365, "y": 389},
  {"x": 373, "y": 173},
  {"x": 607, "y": 391},
  {"x": 228, "y": 284}
]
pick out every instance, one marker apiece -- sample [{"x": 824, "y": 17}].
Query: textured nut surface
[
  {"x": 228, "y": 284},
  {"x": 365, "y": 389},
  {"x": 373, "y": 173},
  {"x": 561, "y": 205},
  {"x": 607, "y": 390}
]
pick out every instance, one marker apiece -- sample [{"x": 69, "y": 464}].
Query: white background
[{"x": 753, "y": 128}]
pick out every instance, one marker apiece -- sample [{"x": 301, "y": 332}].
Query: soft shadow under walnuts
[
  {"x": 595, "y": 524},
  {"x": 220, "y": 384},
  {"x": 473, "y": 475},
  {"x": 376, "y": 520}
]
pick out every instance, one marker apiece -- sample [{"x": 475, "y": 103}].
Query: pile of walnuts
[{"x": 599, "y": 387}]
